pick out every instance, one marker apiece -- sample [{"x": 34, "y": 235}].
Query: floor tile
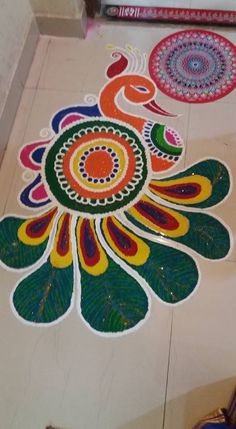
[
  {"x": 203, "y": 352},
  {"x": 68, "y": 361},
  {"x": 75, "y": 64},
  {"x": 67, "y": 376}
]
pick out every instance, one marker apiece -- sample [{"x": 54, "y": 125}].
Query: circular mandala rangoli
[
  {"x": 194, "y": 66},
  {"x": 97, "y": 167}
]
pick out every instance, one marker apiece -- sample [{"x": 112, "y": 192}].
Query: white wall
[
  {"x": 59, "y": 8},
  {"x": 194, "y": 4},
  {"x": 15, "y": 20},
  {"x": 154, "y": 3}
]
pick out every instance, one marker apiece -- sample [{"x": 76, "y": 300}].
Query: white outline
[
  {"x": 194, "y": 209},
  {"x": 167, "y": 241},
  {"x": 142, "y": 282},
  {"x": 144, "y": 118},
  {"x": 135, "y": 57},
  {"x": 90, "y": 99},
  {"x": 42, "y": 201},
  {"x": 28, "y": 175},
  {"x": 182, "y": 146},
  {"x": 49, "y": 244},
  {"x": 178, "y": 208},
  {"x": 39, "y": 144},
  {"x": 121, "y": 92},
  {"x": 46, "y": 133},
  {"x": 156, "y": 58},
  {"x": 134, "y": 275},
  {"x": 137, "y": 61},
  {"x": 44, "y": 143},
  {"x": 78, "y": 299},
  {"x": 83, "y": 145},
  {"x": 42, "y": 261},
  {"x": 61, "y": 127},
  {"x": 123, "y": 208},
  {"x": 53, "y": 138}
]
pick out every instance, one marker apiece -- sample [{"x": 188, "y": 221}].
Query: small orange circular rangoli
[{"x": 99, "y": 164}]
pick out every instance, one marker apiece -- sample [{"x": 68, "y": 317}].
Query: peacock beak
[{"x": 155, "y": 108}]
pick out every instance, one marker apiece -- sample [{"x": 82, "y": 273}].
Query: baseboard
[
  {"x": 63, "y": 26},
  {"x": 18, "y": 82},
  {"x": 170, "y": 14}
]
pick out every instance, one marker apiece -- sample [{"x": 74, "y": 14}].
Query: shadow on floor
[{"x": 184, "y": 411}]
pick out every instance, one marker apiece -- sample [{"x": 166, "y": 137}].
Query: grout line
[
  {"x": 43, "y": 62},
  {"x": 230, "y": 261},
  {"x": 63, "y": 90},
  {"x": 168, "y": 370},
  {"x": 35, "y": 89},
  {"x": 18, "y": 148},
  {"x": 27, "y": 123}
]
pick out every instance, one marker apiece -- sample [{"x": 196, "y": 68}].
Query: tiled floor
[{"x": 181, "y": 363}]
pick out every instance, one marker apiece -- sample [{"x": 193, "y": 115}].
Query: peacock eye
[{"x": 141, "y": 88}]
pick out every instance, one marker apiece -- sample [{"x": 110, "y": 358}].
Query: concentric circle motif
[
  {"x": 97, "y": 167},
  {"x": 194, "y": 66}
]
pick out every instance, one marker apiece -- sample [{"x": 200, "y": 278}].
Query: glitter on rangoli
[
  {"x": 194, "y": 66},
  {"x": 110, "y": 225}
]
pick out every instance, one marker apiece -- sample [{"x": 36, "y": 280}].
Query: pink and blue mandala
[{"x": 109, "y": 229}]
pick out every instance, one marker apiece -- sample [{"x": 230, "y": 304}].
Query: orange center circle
[
  {"x": 99, "y": 164},
  {"x": 93, "y": 193}
]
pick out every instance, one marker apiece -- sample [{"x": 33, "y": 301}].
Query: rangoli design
[
  {"x": 194, "y": 66},
  {"x": 107, "y": 226}
]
